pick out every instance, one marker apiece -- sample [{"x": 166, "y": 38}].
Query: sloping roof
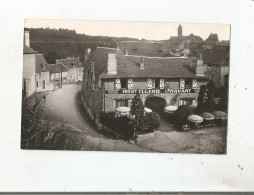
[
  {"x": 56, "y": 68},
  {"x": 219, "y": 54},
  {"x": 70, "y": 62},
  {"x": 43, "y": 66},
  {"x": 128, "y": 66},
  {"x": 191, "y": 38},
  {"x": 145, "y": 48},
  {"x": 40, "y": 63},
  {"x": 100, "y": 59},
  {"x": 28, "y": 50}
]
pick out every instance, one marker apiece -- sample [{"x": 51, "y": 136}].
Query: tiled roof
[
  {"x": 28, "y": 50},
  {"x": 145, "y": 48},
  {"x": 219, "y": 54},
  {"x": 43, "y": 66},
  {"x": 56, "y": 68},
  {"x": 70, "y": 62},
  {"x": 128, "y": 66}
]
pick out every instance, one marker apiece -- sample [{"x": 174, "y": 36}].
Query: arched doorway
[{"x": 157, "y": 104}]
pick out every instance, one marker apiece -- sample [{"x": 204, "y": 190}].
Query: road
[{"x": 62, "y": 107}]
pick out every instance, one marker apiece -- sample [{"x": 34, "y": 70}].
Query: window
[
  {"x": 188, "y": 83},
  {"x": 43, "y": 84},
  {"x": 194, "y": 84},
  {"x": 130, "y": 83},
  {"x": 37, "y": 84},
  {"x": 187, "y": 101},
  {"x": 157, "y": 83},
  {"x": 123, "y": 83},
  {"x": 150, "y": 83},
  {"x": 209, "y": 66},
  {"x": 121, "y": 102},
  {"x": 117, "y": 84}
]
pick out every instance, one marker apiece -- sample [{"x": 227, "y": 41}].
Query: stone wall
[{"x": 29, "y": 74}]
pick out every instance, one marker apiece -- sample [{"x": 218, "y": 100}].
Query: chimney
[
  {"x": 126, "y": 52},
  {"x": 92, "y": 70},
  {"x": 200, "y": 69},
  {"x": 87, "y": 53},
  {"x": 142, "y": 65},
  {"x": 111, "y": 68},
  {"x": 26, "y": 38},
  {"x": 117, "y": 45}
]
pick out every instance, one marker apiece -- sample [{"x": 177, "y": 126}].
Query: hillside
[{"x": 63, "y": 43}]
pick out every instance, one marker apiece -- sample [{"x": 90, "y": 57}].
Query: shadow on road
[{"x": 85, "y": 116}]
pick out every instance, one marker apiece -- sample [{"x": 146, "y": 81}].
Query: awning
[
  {"x": 122, "y": 110},
  {"x": 170, "y": 109},
  {"x": 195, "y": 119},
  {"x": 147, "y": 110}
]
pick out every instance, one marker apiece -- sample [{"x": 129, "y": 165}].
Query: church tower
[{"x": 180, "y": 30}]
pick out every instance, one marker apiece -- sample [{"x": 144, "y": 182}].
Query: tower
[{"x": 180, "y": 30}]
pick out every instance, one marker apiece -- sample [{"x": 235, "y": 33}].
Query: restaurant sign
[{"x": 150, "y": 91}]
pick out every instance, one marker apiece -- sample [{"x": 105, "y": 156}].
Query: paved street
[{"x": 61, "y": 105}]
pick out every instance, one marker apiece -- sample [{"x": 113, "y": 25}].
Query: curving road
[{"x": 62, "y": 107}]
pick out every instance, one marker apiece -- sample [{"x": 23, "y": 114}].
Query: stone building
[
  {"x": 58, "y": 75},
  {"x": 216, "y": 63},
  {"x": 42, "y": 74},
  {"x": 50, "y": 76},
  {"x": 29, "y": 70},
  {"x": 75, "y": 69},
  {"x": 211, "y": 41},
  {"x": 183, "y": 42},
  {"x": 111, "y": 79}
]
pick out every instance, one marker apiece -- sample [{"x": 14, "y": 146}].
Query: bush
[
  {"x": 182, "y": 113},
  {"x": 149, "y": 123},
  {"x": 122, "y": 125},
  {"x": 38, "y": 132}
]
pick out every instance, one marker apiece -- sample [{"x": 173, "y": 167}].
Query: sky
[{"x": 146, "y": 30}]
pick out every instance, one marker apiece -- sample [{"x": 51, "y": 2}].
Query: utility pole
[
  {"x": 61, "y": 77},
  {"x": 104, "y": 101}
]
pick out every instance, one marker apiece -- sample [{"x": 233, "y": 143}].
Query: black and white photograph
[
  {"x": 127, "y": 97},
  {"x": 125, "y": 86}
]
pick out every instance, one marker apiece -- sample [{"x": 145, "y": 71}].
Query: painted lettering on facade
[{"x": 149, "y": 91}]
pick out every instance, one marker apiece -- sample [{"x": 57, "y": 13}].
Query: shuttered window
[
  {"x": 162, "y": 84},
  {"x": 117, "y": 84},
  {"x": 182, "y": 83},
  {"x": 150, "y": 83},
  {"x": 194, "y": 83},
  {"x": 130, "y": 84}
]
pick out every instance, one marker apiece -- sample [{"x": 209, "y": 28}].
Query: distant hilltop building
[
  {"x": 211, "y": 41},
  {"x": 183, "y": 42}
]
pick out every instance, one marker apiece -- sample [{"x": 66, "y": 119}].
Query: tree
[
  {"x": 202, "y": 98},
  {"x": 137, "y": 110},
  {"x": 210, "y": 94},
  {"x": 182, "y": 114},
  {"x": 150, "y": 122}
]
